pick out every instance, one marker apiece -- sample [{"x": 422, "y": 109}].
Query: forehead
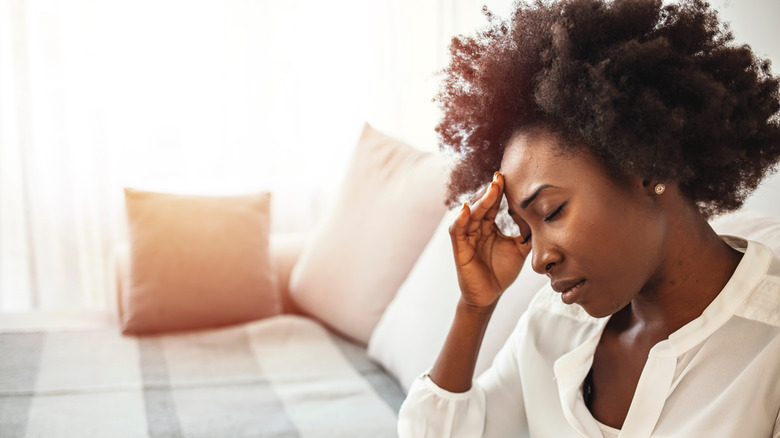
[
  {"x": 536, "y": 158},
  {"x": 530, "y": 150}
]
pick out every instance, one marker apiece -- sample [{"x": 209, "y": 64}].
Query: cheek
[
  {"x": 609, "y": 260},
  {"x": 635, "y": 265},
  {"x": 612, "y": 248},
  {"x": 590, "y": 235}
]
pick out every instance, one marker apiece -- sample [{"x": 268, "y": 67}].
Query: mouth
[{"x": 570, "y": 290}]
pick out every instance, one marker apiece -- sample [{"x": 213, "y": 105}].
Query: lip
[{"x": 570, "y": 290}]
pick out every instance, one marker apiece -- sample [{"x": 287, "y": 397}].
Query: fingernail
[
  {"x": 494, "y": 183},
  {"x": 495, "y": 176},
  {"x": 465, "y": 206}
]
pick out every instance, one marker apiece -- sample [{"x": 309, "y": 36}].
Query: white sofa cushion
[{"x": 387, "y": 209}]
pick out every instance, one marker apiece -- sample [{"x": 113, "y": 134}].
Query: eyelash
[
  {"x": 549, "y": 218},
  {"x": 555, "y": 213}
]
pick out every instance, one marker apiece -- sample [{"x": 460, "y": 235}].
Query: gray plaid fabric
[{"x": 280, "y": 377}]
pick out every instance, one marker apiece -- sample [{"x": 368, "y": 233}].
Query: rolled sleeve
[
  {"x": 433, "y": 412},
  {"x": 493, "y": 407}
]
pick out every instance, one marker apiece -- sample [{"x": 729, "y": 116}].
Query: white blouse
[{"x": 718, "y": 376}]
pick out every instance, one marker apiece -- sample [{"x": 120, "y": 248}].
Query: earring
[{"x": 659, "y": 188}]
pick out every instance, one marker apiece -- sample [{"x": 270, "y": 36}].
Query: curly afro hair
[{"x": 652, "y": 90}]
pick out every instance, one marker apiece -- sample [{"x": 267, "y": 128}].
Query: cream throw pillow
[
  {"x": 197, "y": 262},
  {"x": 391, "y": 201}
]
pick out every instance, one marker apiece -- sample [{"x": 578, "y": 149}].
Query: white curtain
[{"x": 206, "y": 96}]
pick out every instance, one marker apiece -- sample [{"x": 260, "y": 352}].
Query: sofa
[{"x": 225, "y": 329}]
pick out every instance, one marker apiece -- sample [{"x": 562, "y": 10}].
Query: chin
[{"x": 597, "y": 311}]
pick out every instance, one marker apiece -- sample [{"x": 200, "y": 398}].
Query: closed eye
[
  {"x": 552, "y": 216},
  {"x": 549, "y": 218}
]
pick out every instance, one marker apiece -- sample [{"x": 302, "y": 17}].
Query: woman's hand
[{"x": 487, "y": 261}]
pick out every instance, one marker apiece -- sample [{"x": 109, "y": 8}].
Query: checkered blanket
[{"x": 281, "y": 377}]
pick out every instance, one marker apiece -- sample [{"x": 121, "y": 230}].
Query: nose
[{"x": 544, "y": 257}]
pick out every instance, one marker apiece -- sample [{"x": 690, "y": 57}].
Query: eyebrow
[{"x": 527, "y": 201}]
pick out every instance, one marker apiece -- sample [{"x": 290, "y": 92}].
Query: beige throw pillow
[
  {"x": 388, "y": 207},
  {"x": 197, "y": 262}
]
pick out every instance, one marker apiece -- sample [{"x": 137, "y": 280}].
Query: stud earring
[{"x": 659, "y": 188}]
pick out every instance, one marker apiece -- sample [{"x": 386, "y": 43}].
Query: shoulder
[{"x": 762, "y": 303}]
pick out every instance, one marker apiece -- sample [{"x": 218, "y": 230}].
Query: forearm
[{"x": 454, "y": 368}]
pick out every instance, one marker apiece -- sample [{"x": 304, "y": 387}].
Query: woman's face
[{"x": 599, "y": 240}]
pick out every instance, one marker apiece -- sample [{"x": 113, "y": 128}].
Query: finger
[
  {"x": 481, "y": 207},
  {"x": 488, "y": 221},
  {"x": 462, "y": 248},
  {"x": 478, "y": 195},
  {"x": 458, "y": 227}
]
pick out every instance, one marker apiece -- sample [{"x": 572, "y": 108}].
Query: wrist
[{"x": 475, "y": 309}]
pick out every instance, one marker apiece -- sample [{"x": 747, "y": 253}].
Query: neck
[{"x": 696, "y": 266}]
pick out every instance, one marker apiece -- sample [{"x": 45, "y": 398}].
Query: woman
[{"x": 617, "y": 128}]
